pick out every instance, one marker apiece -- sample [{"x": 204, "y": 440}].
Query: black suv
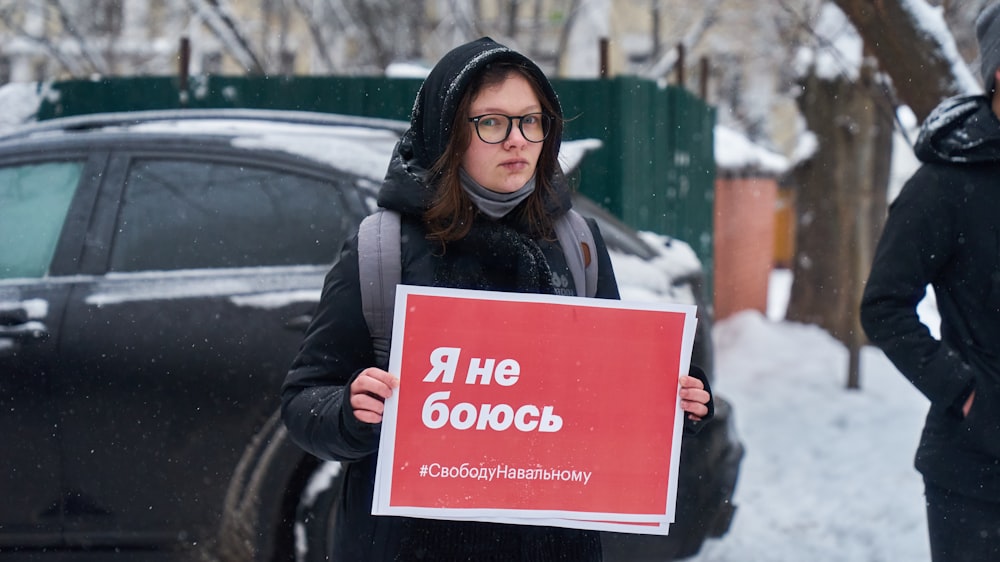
[{"x": 157, "y": 272}]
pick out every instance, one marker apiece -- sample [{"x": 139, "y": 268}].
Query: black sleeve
[
  {"x": 336, "y": 348},
  {"x": 693, "y": 426},
  {"x": 917, "y": 242}
]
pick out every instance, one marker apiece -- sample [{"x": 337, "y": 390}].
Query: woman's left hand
[{"x": 694, "y": 397}]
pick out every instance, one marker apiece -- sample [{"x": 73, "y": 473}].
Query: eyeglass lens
[{"x": 495, "y": 128}]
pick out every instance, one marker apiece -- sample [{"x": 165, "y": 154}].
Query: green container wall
[
  {"x": 656, "y": 169},
  {"x": 371, "y": 96}
]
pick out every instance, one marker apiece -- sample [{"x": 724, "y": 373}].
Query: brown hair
[{"x": 450, "y": 215}]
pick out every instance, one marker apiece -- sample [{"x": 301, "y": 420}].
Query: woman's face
[{"x": 506, "y": 166}]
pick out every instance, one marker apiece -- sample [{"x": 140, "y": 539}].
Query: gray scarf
[{"x": 490, "y": 203}]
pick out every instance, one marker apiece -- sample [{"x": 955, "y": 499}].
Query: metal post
[
  {"x": 605, "y": 48},
  {"x": 703, "y": 79},
  {"x": 183, "y": 70},
  {"x": 680, "y": 64}
]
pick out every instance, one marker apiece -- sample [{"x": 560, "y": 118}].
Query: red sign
[{"x": 532, "y": 406}]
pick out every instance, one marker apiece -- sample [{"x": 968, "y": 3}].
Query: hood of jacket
[
  {"x": 406, "y": 188},
  {"x": 962, "y": 129}
]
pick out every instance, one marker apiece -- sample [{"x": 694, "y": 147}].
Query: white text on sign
[
  {"x": 435, "y": 470},
  {"x": 436, "y": 412}
]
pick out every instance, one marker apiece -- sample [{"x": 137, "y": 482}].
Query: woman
[{"x": 478, "y": 186}]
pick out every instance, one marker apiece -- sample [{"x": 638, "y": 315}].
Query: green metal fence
[
  {"x": 657, "y": 167},
  {"x": 369, "y": 96},
  {"x": 655, "y": 170}
]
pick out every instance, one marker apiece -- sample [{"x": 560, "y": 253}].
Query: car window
[
  {"x": 192, "y": 214},
  {"x": 34, "y": 200}
]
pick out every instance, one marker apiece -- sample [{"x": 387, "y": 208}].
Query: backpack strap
[
  {"x": 577, "y": 241},
  {"x": 380, "y": 270}
]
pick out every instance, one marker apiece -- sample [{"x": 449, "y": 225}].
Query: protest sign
[{"x": 524, "y": 408}]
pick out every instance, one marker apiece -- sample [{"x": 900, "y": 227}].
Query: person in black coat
[
  {"x": 943, "y": 230},
  {"x": 478, "y": 187}
]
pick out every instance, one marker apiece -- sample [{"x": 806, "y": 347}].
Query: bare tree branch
[
  {"x": 536, "y": 22},
  {"x": 317, "y": 32},
  {"x": 572, "y": 11},
  {"x": 343, "y": 15},
  {"x": 666, "y": 62},
  {"x": 8, "y": 16},
  {"x": 512, "y": 6},
  {"x": 97, "y": 62},
  {"x": 371, "y": 19},
  {"x": 464, "y": 19},
  {"x": 217, "y": 17}
]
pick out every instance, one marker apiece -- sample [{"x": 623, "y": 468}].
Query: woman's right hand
[{"x": 368, "y": 394}]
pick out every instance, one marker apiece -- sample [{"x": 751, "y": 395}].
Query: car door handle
[
  {"x": 299, "y": 323},
  {"x": 30, "y": 330}
]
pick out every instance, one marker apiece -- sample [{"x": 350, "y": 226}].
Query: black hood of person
[
  {"x": 961, "y": 129},
  {"x": 405, "y": 188}
]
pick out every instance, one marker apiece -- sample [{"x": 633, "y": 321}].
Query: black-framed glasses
[{"x": 494, "y": 128}]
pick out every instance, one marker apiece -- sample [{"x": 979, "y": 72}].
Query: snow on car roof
[
  {"x": 572, "y": 152},
  {"x": 364, "y": 151}
]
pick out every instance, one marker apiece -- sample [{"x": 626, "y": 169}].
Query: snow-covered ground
[{"x": 828, "y": 473}]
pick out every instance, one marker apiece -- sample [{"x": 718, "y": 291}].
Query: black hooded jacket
[
  {"x": 503, "y": 255},
  {"x": 943, "y": 230}
]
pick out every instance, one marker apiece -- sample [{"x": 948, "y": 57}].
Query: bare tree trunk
[
  {"x": 915, "y": 59},
  {"x": 840, "y": 204}
]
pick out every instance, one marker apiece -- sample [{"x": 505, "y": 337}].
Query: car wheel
[{"x": 316, "y": 512}]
